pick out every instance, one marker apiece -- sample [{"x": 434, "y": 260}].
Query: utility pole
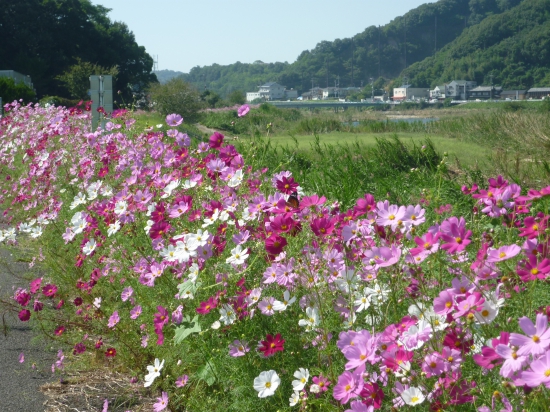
[
  {"x": 372, "y": 89},
  {"x": 491, "y": 93}
]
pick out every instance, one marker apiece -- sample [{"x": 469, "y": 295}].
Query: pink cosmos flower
[
  {"x": 126, "y": 293},
  {"x": 390, "y": 215},
  {"x": 347, "y": 387},
  {"x": 537, "y": 339},
  {"x": 182, "y": 381},
  {"x": 453, "y": 232},
  {"x": 135, "y": 312},
  {"x": 238, "y": 348},
  {"x": 266, "y": 306},
  {"x": 502, "y": 253},
  {"x": 162, "y": 403},
  {"x": 113, "y": 320},
  {"x": 539, "y": 373},
  {"x": 433, "y": 365},
  {"x": 513, "y": 362},
  {"x": 243, "y": 110},
  {"x": 174, "y": 120},
  {"x": 322, "y": 382}
]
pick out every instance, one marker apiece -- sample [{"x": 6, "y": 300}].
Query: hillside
[
  {"x": 165, "y": 75},
  {"x": 383, "y": 51},
  {"x": 513, "y": 47}
]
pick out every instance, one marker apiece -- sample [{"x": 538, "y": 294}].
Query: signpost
[{"x": 101, "y": 94}]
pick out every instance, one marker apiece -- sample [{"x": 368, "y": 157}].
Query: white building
[
  {"x": 406, "y": 92},
  {"x": 272, "y": 91},
  {"x": 438, "y": 92}
]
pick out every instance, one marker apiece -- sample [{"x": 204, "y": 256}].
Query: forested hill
[
  {"x": 46, "y": 38},
  {"x": 512, "y": 47},
  {"x": 378, "y": 51}
]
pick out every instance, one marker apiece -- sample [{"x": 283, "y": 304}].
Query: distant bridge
[{"x": 322, "y": 105}]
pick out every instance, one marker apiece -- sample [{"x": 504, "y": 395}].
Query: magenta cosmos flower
[
  {"x": 272, "y": 345},
  {"x": 243, "y": 110},
  {"x": 174, "y": 120}
]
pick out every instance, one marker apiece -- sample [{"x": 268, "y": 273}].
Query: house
[
  {"x": 329, "y": 92},
  {"x": 17, "y": 77},
  {"x": 538, "y": 92},
  {"x": 272, "y": 91},
  {"x": 458, "y": 89},
  {"x": 314, "y": 94},
  {"x": 406, "y": 92},
  {"x": 513, "y": 95},
  {"x": 438, "y": 92},
  {"x": 484, "y": 93}
]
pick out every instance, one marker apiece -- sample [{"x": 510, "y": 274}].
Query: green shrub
[
  {"x": 10, "y": 91},
  {"x": 58, "y": 101},
  {"x": 176, "y": 96}
]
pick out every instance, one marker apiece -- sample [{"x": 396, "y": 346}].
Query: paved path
[{"x": 19, "y": 383}]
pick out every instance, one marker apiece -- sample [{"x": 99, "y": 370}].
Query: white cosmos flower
[
  {"x": 236, "y": 179},
  {"x": 228, "y": 315},
  {"x": 89, "y": 247},
  {"x": 154, "y": 372},
  {"x": 266, "y": 383},
  {"x": 312, "y": 318},
  {"x": 97, "y": 303},
  {"x": 120, "y": 207},
  {"x": 25, "y": 227},
  {"x": 362, "y": 301},
  {"x": 36, "y": 231},
  {"x": 302, "y": 376},
  {"x": 294, "y": 399},
  {"x": 188, "y": 184},
  {"x": 238, "y": 256},
  {"x": 287, "y": 300},
  {"x": 79, "y": 199},
  {"x": 413, "y": 396},
  {"x": 170, "y": 188},
  {"x": 9, "y": 233},
  {"x": 148, "y": 226},
  {"x": 151, "y": 208},
  {"x": 113, "y": 228}
]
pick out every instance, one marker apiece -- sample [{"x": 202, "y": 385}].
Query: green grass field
[{"x": 468, "y": 154}]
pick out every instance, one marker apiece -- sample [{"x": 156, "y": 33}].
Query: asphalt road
[{"x": 20, "y": 382}]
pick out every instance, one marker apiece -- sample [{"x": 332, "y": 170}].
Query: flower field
[{"x": 220, "y": 286}]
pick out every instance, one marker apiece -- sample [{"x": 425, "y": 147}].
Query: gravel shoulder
[{"x": 20, "y": 382}]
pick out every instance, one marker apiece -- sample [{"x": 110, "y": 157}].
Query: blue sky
[{"x": 184, "y": 33}]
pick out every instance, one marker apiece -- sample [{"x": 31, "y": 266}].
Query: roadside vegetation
[{"x": 240, "y": 274}]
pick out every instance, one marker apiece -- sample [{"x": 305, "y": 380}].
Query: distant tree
[
  {"x": 77, "y": 78},
  {"x": 236, "y": 97},
  {"x": 176, "y": 96},
  {"x": 211, "y": 98},
  {"x": 10, "y": 91},
  {"x": 43, "y": 38}
]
